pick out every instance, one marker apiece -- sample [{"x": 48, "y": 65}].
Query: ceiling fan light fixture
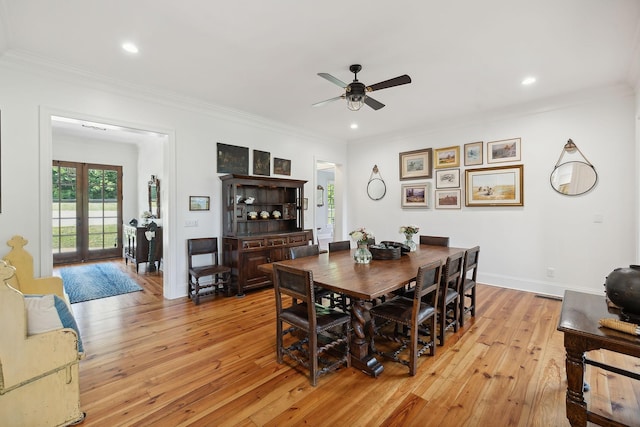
[{"x": 355, "y": 102}]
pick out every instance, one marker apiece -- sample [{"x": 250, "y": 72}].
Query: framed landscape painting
[
  {"x": 448, "y": 199},
  {"x": 416, "y": 164},
  {"x": 507, "y": 150},
  {"x": 497, "y": 186},
  {"x": 415, "y": 195},
  {"x": 233, "y": 159},
  {"x": 448, "y": 157},
  {"x": 281, "y": 166},
  {"x": 473, "y": 154}
]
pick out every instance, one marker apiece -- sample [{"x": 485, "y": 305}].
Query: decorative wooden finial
[{"x": 17, "y": 242}]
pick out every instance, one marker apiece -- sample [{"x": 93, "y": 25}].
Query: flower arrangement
[
  {"x": 276, "y": 214},
  {"x": 361, "y": 235},
  {"x": 264, "y": 214},
  {"x": 409, "y": 229}
]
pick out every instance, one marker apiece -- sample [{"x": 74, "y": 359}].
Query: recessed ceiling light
[
  {"x": 528, "y": 81},
  {"x": 130, "y": 47},
  {"x": 354, "y": 126}
]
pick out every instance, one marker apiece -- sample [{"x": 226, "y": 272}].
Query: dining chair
[
  {"x": 313, "y": 250},
  {"x": 343, "y": 245},
  {"x": 411, "y": 314},
  {"x": 434, "y": 240},
  {"x": 206, "y": 250},
  {"x": 468, "y": 286},
  {"x": 318, "y": 337},
  {"x": 449, "y": 299},
  {"x": 303, "y": 251}
]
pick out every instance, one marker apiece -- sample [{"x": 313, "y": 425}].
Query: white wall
[
  {"x": 519, "y": 244},
  {"x": 27, "y": 92}
]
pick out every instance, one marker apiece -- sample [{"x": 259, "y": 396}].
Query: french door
[{"x": 86, "y": 212}]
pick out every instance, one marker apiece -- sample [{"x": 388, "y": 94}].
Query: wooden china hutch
[{"x": 262, "y": 218}]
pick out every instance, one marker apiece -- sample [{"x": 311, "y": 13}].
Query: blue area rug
[{"x": 96, "y": 281}]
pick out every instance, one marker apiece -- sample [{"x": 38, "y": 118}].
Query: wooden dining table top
[{"x": 337, "y": 271}]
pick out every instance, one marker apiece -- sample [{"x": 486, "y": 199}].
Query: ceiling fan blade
[
  {"x": 333, "y": 79},
  {"x": 318, "y": 104},
  {"x": 397, "y": 81},
  {"x": 376, "y": 105}
]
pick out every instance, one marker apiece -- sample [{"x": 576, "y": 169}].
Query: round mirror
[
  {"x": 573, "y": 178},
  {"x": 376, "y": 189}
]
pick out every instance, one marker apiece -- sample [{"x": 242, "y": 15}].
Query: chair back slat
[
  {"x": 471, "y": 263},
  {"x": 453, "y": 271},
  {"x": 434, "y": 240},
  {"x": 428, "y": 282},
  {"x": 202, "y": 246},
  {"x": 303, "y": 251},
  {"x": 343, "y": 245}
]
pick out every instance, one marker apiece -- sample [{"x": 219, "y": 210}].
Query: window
[{"x": 331, "y": 204}]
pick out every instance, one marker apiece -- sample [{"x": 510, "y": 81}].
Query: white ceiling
[{"x": 262, "y": 57}]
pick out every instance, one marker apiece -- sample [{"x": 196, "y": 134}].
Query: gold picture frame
[
  {"x": 447, "y": 157},
  {"x": 416, "y": 164},
  {"x": 199, "y": 203},
  {"x": 496, "y": 186}
]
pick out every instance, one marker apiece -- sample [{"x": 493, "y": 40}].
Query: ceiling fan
[{"x": 356, "y": 92}]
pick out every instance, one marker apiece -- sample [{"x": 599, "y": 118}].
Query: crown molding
[
  {"x": 545, "y": 105},
  {"x": 29, "y": 62}
]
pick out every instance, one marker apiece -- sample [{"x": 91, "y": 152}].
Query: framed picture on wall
[
  {"x": 416, "y": 164},
  {"x": 473, "y": 154},
  {"x": 448, "y": 157},
  {"x": 199, "y": 203},
  {"x": 448, "y": 178},
  {"x": 233, "y": 159},
  {"x": 281, "y": 166},
  {"x": 497, "y": 186},
  {"x": 261, "y": 163},
  {"x": 448, "y": 199},
  {"x": 507, "y": 150},
  {"x": 415, "y": 195}
]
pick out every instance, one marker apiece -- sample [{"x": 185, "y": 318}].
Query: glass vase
[
  {"x": 362, "y": 254},
  {"x": 409, "y": 242}
]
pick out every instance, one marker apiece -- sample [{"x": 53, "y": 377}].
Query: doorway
[
  {"x": 325, "y": 206},
  {"x": 86, "y": 211}
]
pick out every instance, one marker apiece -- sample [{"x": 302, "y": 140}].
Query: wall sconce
[{"x": 320, "y": 195}]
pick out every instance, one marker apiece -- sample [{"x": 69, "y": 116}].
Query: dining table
[{"x": 364, "y": 283}]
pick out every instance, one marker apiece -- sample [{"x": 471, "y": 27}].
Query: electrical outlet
[{"x": 551, "y": 272}]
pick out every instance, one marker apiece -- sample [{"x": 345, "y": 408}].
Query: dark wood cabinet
[
  {"x": 136, "y": 246},
  {"x": 250, "y": 240}
]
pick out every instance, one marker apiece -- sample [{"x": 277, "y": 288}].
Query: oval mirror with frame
[
  {"x": 574, "y": 177},
  {"x": 376, "y": 187},
  {"x": 154, "y": 196}
]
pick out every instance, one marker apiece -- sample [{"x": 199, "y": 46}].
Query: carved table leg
[
  {"x": 575, "y": 404},
  {"x": 360, "y": 357}
]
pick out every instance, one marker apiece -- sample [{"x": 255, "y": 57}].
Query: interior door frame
[{"x": 172, "y": 285}]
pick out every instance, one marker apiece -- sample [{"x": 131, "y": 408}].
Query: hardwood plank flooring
[{"x": 156, "y": 362}]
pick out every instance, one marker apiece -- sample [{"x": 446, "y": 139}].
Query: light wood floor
[{"x": 156, "y": 362}]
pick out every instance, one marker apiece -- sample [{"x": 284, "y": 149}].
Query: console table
[
  {"x": 579, "y": 322},
  {"x": 136, "y": 246}
]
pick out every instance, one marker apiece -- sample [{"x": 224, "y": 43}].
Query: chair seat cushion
[
  {"x": 297, "y": 315},
  {"x": 450, "y": 295},
  {"x": 468, "y": 284},
  {"x": 400, "y": 308},
  {"x": 208, "y": 270}
]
